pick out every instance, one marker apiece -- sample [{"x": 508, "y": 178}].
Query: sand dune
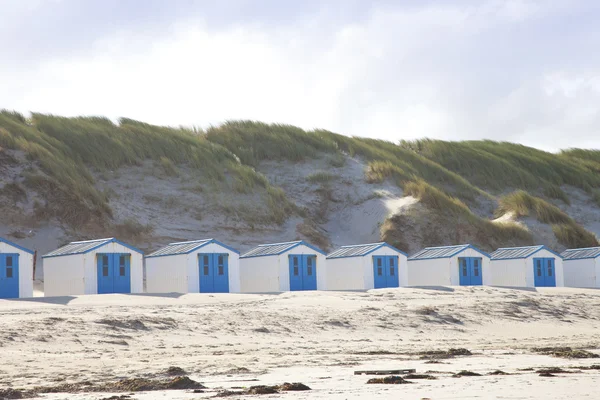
[{"x": 318, "y": 338}]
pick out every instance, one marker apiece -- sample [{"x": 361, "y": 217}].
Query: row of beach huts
[{"x": 209, "y": 266}]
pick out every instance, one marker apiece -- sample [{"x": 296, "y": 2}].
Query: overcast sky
[{"x": 517, "y": 70}]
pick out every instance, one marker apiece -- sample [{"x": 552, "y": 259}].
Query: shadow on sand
[
  {"x": 58, "y": 300},
  {"x": 438, "y": 288}
]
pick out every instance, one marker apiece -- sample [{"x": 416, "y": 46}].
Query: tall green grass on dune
[
  {"x": 566, "y": 230},
  {"x": 498, "y": 165},
  {"x": 66, "y": 147}
]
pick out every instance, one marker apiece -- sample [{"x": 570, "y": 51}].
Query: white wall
[
  {"x": 346, "y": 273},
  {"x": 167, "y": 274},
  {"x": 444, "y": 271},
  {"x": 233, "y": 266},
  {"x": 581, "y": 273},
  {"x": 77, "y": 274},
  {"x": 63, "y": 275},
  {"x": 25, "y": 269},
  {"x": 259, "y": 274},
  {"x": 512, "y": 273},
  {"x": 272, "y": 274}
]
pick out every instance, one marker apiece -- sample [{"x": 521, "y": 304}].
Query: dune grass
[
  {"x": 498, "y": 165},
  {"x": 448, "y": 177},
  {"x": 452, "y": 212},
  {"x": 566, "y": 230}
]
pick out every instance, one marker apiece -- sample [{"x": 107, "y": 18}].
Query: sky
[{"x": 525, "y": 71}]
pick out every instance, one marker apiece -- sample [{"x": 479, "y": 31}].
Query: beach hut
[
  {"x": 93, "y": 267},
  {"x": 199, "y": 266},
  {"x": 366, "y": 266},
  {"x": 16, "y": 270},
  {"x": 281, "y": 267},
  {"x": 530, "y": 266},
  {"x": 581, "y": 267},
  {"x": 463, "y": 265}
]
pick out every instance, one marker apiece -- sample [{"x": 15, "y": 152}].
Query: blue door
[
  {"x": 303, "y": 272},
  {"x": 550, "y": 277},
  {"x": 385, "y": 272},
  {"x": 214, "y": 273},
  {"x": 392, "y": 271},
  {"x": 122, "y": 273},
  {"x": 470, "y": 271},
  {"x": 476, "y": 272},
  {"x": 295, "y": 272},
  {"x": 105, "y": 273},
  {"x": 9, "y": 276},
  {"x": 379, "y": 279},
  {"x": 544, "y": 273},
  {"x": 114, "y": 273},
  {"x": 309, "y": 281}
]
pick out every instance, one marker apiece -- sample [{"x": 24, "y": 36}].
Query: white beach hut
[
  {"x": 282, "y": 267},
  {"x": 530, "y": 266},
  {"x": 16, "y": 270},
  {"x": 581, "y": 267},
  {"x": 463, "y": 265},
  {"x": 199, "y": 266},
  {"x": 366, "y": 266},
  {"x": 93, "y": 267}
]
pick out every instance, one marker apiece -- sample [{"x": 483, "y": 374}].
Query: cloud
[{"x": 505, "y": 70}]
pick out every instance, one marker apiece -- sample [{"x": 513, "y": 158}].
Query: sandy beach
[{"x": 234, "y": 341}]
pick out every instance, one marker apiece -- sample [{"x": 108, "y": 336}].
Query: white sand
[{"x": 311, "y": 337}]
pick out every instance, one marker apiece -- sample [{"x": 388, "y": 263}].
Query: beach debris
[
  {"x": 547, "y": 374},
  {"x": 419, "y": 376},
  {"x": 175, "y": 371},
  {"x": 265, "y": 389},
  {"x": 389, "y": 380},
  {"x": 124, "y": 385},
  {"x": 553, "y": 370},
  {"x": 11, "y": 393},
  {"x": 443, "y": 354},
  {"x": 465, "y": 373},
  {"x": 565, "y": 352},
  {"x": 588, "y": 367},
  {"x": 262, "y": 389},
  {"x": 296, "y": 386},
  {"x": 117, "y": 397},
  {"x": 386, "y": 372},
  {"x": 498, "y": 372}
]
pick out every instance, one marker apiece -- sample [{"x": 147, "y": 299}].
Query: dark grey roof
[
  {"x": 357, "y": 250},
  {"x": 187, "y": 247},
  {"x": 438, "y": 252},
  {"x": 507, "y": 253},
  {"x": 78, "y": 247},
  {"x": 179, "y": 248},
  {"x": 86, "y": 246},
  {"x": 271, "y": 249},
  {"x": 360, "y": 250},
  {"x": 575, "y": 254}
]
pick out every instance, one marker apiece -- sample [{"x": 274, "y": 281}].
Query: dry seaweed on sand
[
  {"x": 465, "y": 373},
  {"x": 124, "y": 385},
  {"x": 419, "y": 376},
  {"x": 498, "y": 372},
  {"x": 265, "y": 389},
  {"x": 443, "y": 354},
  {"x": 11, "y": 393},
  {"x": 565, "y": 352},
  {"x": 389, "y": 380},
  {"x": 553, "y": 370},
  {"x": 175, "y": 371}
]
